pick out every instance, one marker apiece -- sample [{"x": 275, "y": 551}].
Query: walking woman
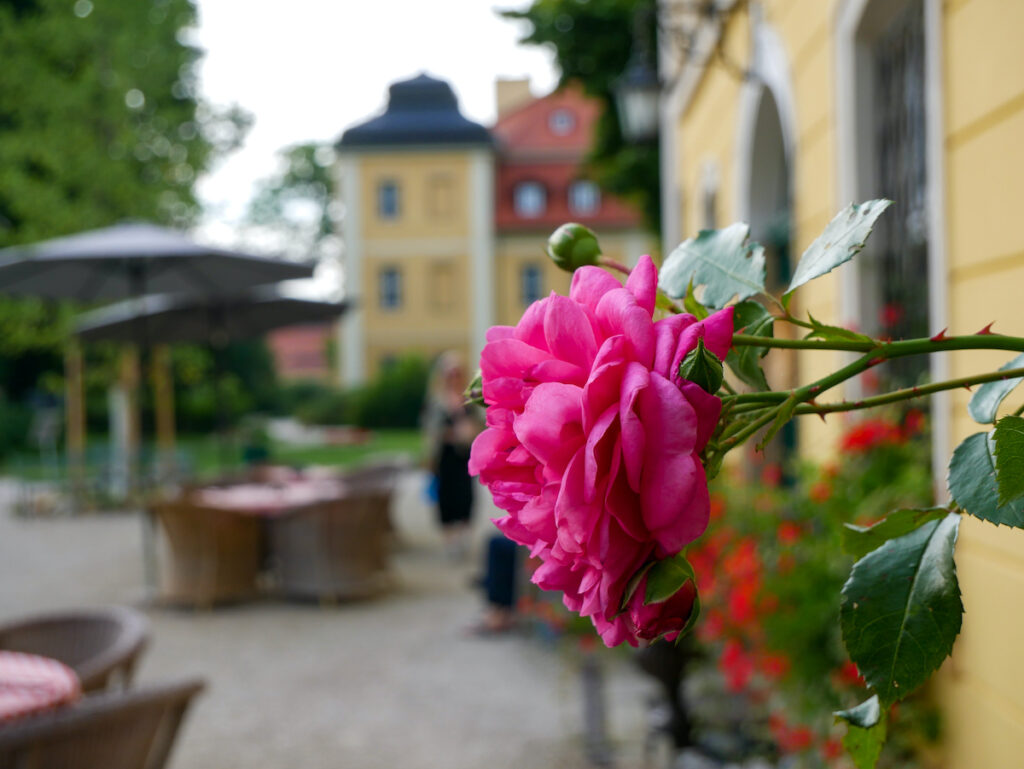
[{"x": 450, "y": 425}]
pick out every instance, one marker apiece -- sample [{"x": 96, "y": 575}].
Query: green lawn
[{"x": 207, "y": 456}]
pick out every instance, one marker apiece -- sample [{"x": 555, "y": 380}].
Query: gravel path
[{"x": 392, "y": 682}]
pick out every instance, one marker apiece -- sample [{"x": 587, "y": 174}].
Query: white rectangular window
[{"x": 390, "y": 286}]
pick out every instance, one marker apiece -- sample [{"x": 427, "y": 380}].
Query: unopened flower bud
[
  {"x": 572, "y": 246},
  {"x": 474, "y": 393},
  {"x": 703, "y": 368}
]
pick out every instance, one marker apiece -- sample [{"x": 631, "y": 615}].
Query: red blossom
[
  {"x": 736, "y": 665},
  {"x": 869, "y": 434},
  {"x": 849, "y": 675},
  {"x": 773, "y": 666},
  {"x": 789, "y": 532},
  {"x": 820, "y": 492},
  {"x": 771, "y": 474}
]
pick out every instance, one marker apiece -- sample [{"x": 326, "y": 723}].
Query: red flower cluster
[{"x": 731, "y": 578}]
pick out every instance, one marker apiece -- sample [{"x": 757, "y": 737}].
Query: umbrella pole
[
  {"x": 163, "y": 401},
  {"x": 75, "y": 416}
]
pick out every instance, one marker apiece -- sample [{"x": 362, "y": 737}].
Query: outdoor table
[
  {"x": 31, "y": 684},
  {"x": 270, "y": 499}
]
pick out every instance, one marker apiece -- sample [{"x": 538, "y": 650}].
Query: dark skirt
[{"x": 454, "y": 485}]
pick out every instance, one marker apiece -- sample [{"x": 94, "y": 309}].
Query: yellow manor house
[
  {"x": 446, "y": 221},
  {"x": 781, "y": 112}
]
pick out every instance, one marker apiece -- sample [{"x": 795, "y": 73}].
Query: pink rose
[{"x": 592, "y": 441}]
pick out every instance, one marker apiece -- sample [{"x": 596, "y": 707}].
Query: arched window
[
  {"x": 584, "y": 197},
  {"x": 530, "y": 199}
]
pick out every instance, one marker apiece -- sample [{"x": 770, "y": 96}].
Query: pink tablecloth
[
  {"x": 270, "y": 499},
  {"x": 31, "y": 684}
]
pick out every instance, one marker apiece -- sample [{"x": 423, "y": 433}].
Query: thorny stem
[
  {"x": 875, "y": 353},
  {"x": 909, "y": 393}
]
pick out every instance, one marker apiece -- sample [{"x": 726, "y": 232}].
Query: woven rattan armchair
[
  {"x": 102, "y": 646},
  {"x": 334, "y": 549},
  {"x": 214, "y": 555},
  {"x": 113, "y": 730}
]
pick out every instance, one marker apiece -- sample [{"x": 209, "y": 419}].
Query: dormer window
[
  {"x": 584, "y": 197},
  {"x": 530, "y": 199},
  {"x": 561, "y": 122}
]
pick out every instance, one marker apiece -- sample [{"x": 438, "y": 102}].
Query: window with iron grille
[{"x": 899, "y": 295}]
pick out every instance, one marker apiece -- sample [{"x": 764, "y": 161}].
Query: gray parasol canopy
[
  {"x": 215, "y": 320},
  {"x": 132, "y": 259}
]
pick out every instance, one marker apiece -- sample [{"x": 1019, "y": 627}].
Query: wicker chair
[
  {"x": 215, "y": 555},
  {"x": 334, "y": 549},
  {"x": 101, "y": 645},
  {"x": 122, "y": 730}
]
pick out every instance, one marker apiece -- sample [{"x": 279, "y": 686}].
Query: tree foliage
[
  {"x": 297, "y": 203},
  {"x": 99, "y": 122},
  {"x": 593, "y": 42}
]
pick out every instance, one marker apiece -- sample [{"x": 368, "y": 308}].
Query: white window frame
[
  {"x": 390, "y": 288},
  {"x": 586, "y": 191},
  {"x": 853, "y": 108},
  {"x": 522, "y": 200}
]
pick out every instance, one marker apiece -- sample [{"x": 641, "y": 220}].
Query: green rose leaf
[
  {"x": 901, "y": 609},
  {"x": 666, "y": 577},
  {"x": 692, "y": 306},
  {"x": 1009, "y": 455},
  {"x": 972, "y": 483},
  {"x": 703, "y": 368},
  {"x": 986, "y": 399},
  {"x": 865, "y": 734},
  {"x": 720, "y": 260},
  {"x": 572, "y": 246},
  {"x": 843, "y": 237},
  {"x": 833, "y": 333},
  {"x": 753, "y": 319},
  {"x": 858, "y": 541}
]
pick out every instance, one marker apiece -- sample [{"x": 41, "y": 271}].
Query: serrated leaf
[
  {"x": 858, "y": 541},
  {"x": 865, "y": 715},
  {"x": 632, "y": 585},
  {"x": 786, "y": 412},
  {"x": 692, "y": 306},
  {"x": 901, "y": 609},
  {"x": 986, "y": 399},
  {"x": 844, "y": 236},
  {"x": 666, "y": 577},
  {"x": 865, "y": 734},
  {"x": 695, "y": 611},
  {"x": 753, "y": 319},
  {"x": 972, "y": 483},
  {"x": 719, "y": 260},
  {"x": 833, "y": 333},
  {"x": 1009, "y": 454}
]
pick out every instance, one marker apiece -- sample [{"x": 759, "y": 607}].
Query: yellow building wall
[
  {"x": 982, "y": 687},
  {"x": 515, "y": 252},
  {"x": 707, "y": 134},
  {"x": 428, "y": 243}
]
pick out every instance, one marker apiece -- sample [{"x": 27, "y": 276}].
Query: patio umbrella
[
  {"x": 132, "y": 259},
  {"x": 215, "y": 320},
  {"x": 123, "y": 261}
]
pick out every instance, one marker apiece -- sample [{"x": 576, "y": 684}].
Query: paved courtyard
[{"x": 392, "y": 682}]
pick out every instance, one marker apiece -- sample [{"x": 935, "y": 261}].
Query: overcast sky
[{"x": 307, "y": 69}]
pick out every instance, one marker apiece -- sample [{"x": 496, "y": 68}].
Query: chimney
[{"x": 511, "y": 93}]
